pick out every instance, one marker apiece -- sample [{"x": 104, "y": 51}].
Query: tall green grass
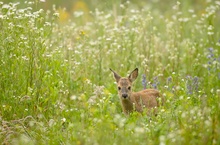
[{"x": 56, "y": 87}]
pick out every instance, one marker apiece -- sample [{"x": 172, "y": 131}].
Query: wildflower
[
  {"x": 210, "y": 33},
  {"x": 57, "y": 14},
  {"x": 155, "y": 82},
  {"x": 169, "y": 79},
  {"x": 99, "y": 90},
  {"x": 92, "y": 100},
  {"x": 63, "y": 120},
  {"x": 188, "y": 85},
  {"x": 73, "y": 97},
  {"x": 168, "y": 83},
  {"x": 154, "y": 86},
  {"x": 144, "y": 82},
  {"x": 139, "y": 130},
  {"x": 82, "y": 33},
  {"x": 196, "y": 83},
  {"x": 176, "y": 7},
  {"x": 162, "y": 140},
  {"x": 119, "y": 120},
  {"x": 191, "y": 10},
  {"x": 212, "y": 60},
  {"x": 62, "y": 14},
  {"x": 192, "y": 84},
  {"x": 78, "y": 13},
  {"x": 51, "y": 122}
]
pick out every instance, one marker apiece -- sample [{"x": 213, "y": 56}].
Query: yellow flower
[
  {"x": 80, "y": 6},
  {"x": 63, "y": 15}
]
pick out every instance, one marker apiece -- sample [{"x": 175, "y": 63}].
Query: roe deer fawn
[{"x": 136, "y": 101}]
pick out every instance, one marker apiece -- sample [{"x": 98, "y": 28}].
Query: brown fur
[{"x": 136, "y": 101}]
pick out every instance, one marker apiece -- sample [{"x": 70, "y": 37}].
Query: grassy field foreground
[{"x": 56, "y": 86}]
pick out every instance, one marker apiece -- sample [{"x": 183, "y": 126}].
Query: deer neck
[{"x": 127, "y": 105}]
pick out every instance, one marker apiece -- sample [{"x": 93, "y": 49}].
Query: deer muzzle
[{"x": 124, "y": 96}]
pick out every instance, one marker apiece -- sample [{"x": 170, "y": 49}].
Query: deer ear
[
  {"x": 132, "y": 77},
  {"x": 116, "y": 76}
]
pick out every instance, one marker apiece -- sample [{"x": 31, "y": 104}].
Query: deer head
[{"x": 125, "y": 83}]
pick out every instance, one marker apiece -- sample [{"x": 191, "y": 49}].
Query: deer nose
[{"x": 124, "y": 95}]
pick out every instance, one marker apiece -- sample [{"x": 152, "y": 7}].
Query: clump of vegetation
[{"x": 56, "y": 87}]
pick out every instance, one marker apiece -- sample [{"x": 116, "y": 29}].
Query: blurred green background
[{"x": 68, "y": 7}]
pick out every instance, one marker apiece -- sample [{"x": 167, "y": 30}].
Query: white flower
[
  {"x": 63, "y": 120},
  {"x": 139, "y": 130},
  {"x": 73, "y": 97},
  {"x": 78, "y": 13}
]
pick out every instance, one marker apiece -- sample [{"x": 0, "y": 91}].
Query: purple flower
[
  {"x": 192, "y": 84},
  {"x": 210, "y": 49},
  {"x": 189, "y": 85},
  {"x": 195, "y": 83},
  {"x": 144, "y": 81},
  {"x": 169, "y": 80},
  {"x": 154, "y": 86},
  {"x": 155, "y": 82},
  {"x": 211, "y": 58}
]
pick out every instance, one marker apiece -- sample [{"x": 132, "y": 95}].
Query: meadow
[{"x": 56, "y": 86}]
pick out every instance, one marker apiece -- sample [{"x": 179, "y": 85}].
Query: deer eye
[
  {"x": 119, "y": 88},
  {"x": 129, "y": 88}
]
